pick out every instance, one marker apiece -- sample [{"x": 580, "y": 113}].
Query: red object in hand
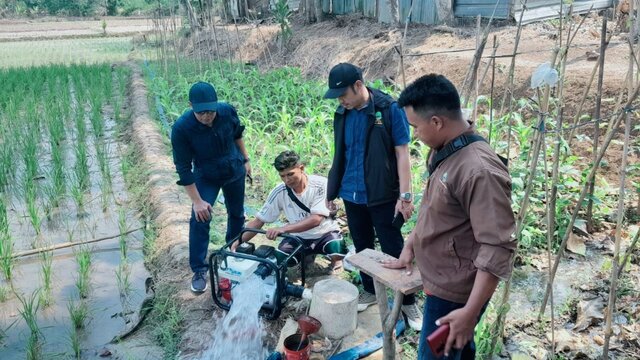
[
  {"x": 224, "y": 286},
  {"x": 438, "y": 339}
]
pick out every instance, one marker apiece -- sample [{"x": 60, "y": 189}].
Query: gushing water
[{"x": 239, "y": 334}]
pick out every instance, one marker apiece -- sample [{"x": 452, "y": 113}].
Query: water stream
[{"x": 239, "y": 334}]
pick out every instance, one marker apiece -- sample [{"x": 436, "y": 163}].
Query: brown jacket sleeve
[{"x": 486, "y": 195}]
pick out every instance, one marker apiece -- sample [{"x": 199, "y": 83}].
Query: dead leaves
[{"x": 590, "y": 312}]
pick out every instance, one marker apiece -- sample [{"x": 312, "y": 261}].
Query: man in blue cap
[
  {"x": 371, "y": 171},
  {"x": 210, "y": 156}
]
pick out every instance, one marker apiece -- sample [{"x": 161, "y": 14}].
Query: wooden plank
[
  {"x": 368, "y": 261},
  {"x": 349, "y": 6},
  {"x": 360, "y": 6}
]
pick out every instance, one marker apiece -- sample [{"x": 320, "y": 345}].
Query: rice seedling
[
  {"x": 77, "y": 193},
  {"x": 46, "y": 259},
  {"x": 28, "y": 311},
  {"x": 32, "y": 207},
  {"x": 74, "y": 341},
  {"x": 6, "y": 255},
  {"x": 81, "y": 168},
  {"x": 123, "y": 278},
  {"x": 78, "y": 313},
  {"x": 122, "y": 226},
  {"x": 34, "y": 348},
  {"x": 4, "y": 295},
  {"x": 83, "y": 259}
]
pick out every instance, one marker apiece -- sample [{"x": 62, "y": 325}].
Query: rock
[
  {"x": 592, "y": 55},
  {"x": 580, "y": 226},
  {"x": 576, "y": 244},
  {"x": 105, "y": 353},
  {"x": 598, "y": 340}
]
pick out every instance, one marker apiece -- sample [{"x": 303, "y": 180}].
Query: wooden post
[{"x": 369, "y": 262}]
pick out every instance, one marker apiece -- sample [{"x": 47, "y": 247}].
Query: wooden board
[{"x": 368, "y": 261}]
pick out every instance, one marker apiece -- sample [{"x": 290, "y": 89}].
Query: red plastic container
[
  {"x": 291, "y": 344},
  {"x": 224, "y": 287}
]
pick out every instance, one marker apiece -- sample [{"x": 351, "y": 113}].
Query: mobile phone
[
  {"x": 398, "y": 221},
  {"x": 438, "y": 339}
]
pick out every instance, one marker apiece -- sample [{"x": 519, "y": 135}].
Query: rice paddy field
[{"x": 70, "y": 241}]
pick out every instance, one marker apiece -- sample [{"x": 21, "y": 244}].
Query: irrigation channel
[{"x": 62, "y": 174}]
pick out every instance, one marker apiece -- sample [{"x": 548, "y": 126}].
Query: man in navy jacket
[{"x": 210, "y": 156}]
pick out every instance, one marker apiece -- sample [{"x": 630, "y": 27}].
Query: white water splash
[{"x": 239, "y": 334}]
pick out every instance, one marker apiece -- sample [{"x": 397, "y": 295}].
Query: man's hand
[
  {"x": 331, "y": 205},
  {"x": 405, "y": 208},
  {"x": 404, "y": 261},
  {"x": 202, "y": 209},
  {"x": 461, "y": 323},
  {"x": 235, "y": 245},
  {"x": 273, "y": 233},
  {"x": 247, "y": 167}
]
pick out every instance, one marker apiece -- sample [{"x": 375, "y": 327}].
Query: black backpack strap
[
  {"x": 449, "y": 149},
  {"x": 295, "y": 199}
]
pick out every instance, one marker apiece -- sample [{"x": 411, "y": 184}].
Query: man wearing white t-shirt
[{"x": 301, "y": 198}]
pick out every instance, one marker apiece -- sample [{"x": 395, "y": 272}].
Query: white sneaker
[
  {"x": 414, "y": 316},
  {"x": 366, "y": 299}
]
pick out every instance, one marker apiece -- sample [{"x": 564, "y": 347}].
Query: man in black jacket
[{"x": 371, "y": 171}]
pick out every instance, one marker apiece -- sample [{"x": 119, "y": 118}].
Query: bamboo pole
[
  {"x": 628, "y": 252},
  {"x": 70, "y": 244},
  {"x": 583, "y": 193},
  {"x": 611, "y": 307},
  {"x": 512, "y": 66},
  {"x": 597, "y": 115}
]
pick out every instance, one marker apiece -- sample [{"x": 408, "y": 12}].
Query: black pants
[{"x": 364, "y": 224}]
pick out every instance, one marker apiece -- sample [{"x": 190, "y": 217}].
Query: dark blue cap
[
  {"x": 203, "y": 97},
  {"x": 341, "y": 77}
]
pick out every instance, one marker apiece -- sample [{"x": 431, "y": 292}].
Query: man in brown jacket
[{"x": 463, "y": 240}]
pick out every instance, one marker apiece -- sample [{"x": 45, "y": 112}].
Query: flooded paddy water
[{"x": 71, "y": 245}]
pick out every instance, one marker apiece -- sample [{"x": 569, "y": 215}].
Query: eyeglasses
[{"x": 206, "y": 112}]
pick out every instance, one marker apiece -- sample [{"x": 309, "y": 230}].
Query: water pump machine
[{"x": 228, "y": 268}]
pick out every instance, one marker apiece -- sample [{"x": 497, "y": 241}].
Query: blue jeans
[
  {"x": 199, "y": 231},
  {"x": 435, "y": 308}
]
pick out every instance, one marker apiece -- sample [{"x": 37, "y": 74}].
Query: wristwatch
[{"x": 406, "y": 196}]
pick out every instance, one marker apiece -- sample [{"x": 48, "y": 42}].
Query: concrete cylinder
[{"x": 335, "y": 304}]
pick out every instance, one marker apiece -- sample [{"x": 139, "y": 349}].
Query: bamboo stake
[
  {"x": 628, "y": 252},
  {"x": 616, "y": 251},
  {"x": 493, "y": 77},
  {"x": 550, "y": 231},
  {"x": 70, "y": 244},
  {"x": 596, "y": 115},
  {"x": 611, "y": 307},
  {"x": 583, "y": 193},
  {"x": 402, "y": 46},
  {"x": 508, "y": 93}
]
